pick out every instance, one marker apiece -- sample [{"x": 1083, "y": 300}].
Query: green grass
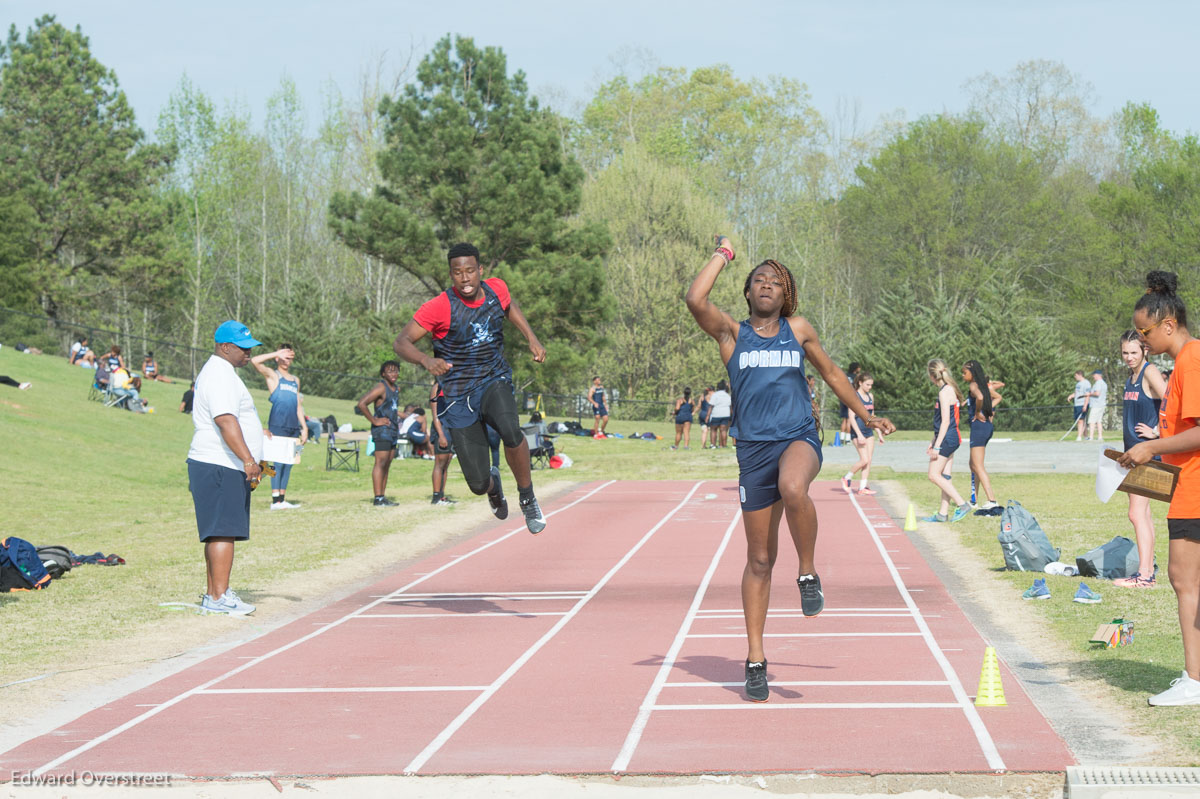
[
  {"x": 1076, "y": 521},
  {"x": 99, "y": 479}
]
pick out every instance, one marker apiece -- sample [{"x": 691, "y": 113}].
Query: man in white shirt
[{"x": 223, "y": 462}]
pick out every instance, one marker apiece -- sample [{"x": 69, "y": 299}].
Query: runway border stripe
[{"x": 94, "y": 742}]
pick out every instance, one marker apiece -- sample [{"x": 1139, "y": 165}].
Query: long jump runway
[{"x": 613, "y": 642}]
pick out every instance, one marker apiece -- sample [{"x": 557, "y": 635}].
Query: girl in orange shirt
[{"x": 1161, "y": 319}]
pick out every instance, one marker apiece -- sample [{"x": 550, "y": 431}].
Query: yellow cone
[
  {"x": 910, "y": 521},
  {"x": 991, "y": 690}
]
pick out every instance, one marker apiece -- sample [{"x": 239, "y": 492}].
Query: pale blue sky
[{"x": 913, "y": 56}]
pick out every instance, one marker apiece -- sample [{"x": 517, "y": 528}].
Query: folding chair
[
  {"x": 342, "y": 451},
  {"x": 541, "y": 446}
]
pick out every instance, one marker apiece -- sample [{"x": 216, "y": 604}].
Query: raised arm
[
  {"x": 834, "y": 377},
  {"x": 712, "y": 320},
  {"x": 259, "y": 362},
  {"x": 522, "y": 324}
]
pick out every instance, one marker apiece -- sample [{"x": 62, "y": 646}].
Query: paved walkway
[{"x": 1069, "y": 457}]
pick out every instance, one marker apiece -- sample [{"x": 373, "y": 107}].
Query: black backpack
[{"x": 57, "y": 560}]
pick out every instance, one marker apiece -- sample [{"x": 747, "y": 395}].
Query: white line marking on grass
[
  {"x": 399, "y": 689},
  {"x": 982, "y": 736},
  {"x": 94, "y": 742},
  {"x": 643, "y": 717},
  {"x": 437, "y": 743},
  {"x": 760, "y": 706}
]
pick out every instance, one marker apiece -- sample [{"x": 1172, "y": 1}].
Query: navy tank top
[
  {"x": 952, "y": 433},
  {"x": 973, "y": 407},
  {"x": 598, "y": 396},
  {"x": 284, "y": 401},
  {"x": 1138, "y": 408},
  {"x": 474, "y": 344},
  {"x": 387, "y": 407},
  {"x": 770, "y": 395},
  {"x": 684, "y": 414}
]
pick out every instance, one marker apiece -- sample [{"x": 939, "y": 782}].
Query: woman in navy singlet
[
  {"x": 946, "y": 442},
  {"x": 287, "y": 414},
  {"x": 683, "y": 419},
  {"x": 982, "y": 400},
  {"x": 703, "y": 414},
  {"x": 1144, "y": 389},
  {"x": 778, "y": 452},
  {"x": 863, "y": 437},
  {"x": 598, "y": 397},
  {"x": 381, "y": 408}
]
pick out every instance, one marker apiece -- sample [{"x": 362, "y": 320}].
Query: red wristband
[{"x": 726, "y": 253}]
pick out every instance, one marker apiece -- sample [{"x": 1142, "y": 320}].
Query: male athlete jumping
[{"x": 467, "y": 324}]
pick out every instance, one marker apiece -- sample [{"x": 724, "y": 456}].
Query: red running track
[{"x": 614, "y": 641}]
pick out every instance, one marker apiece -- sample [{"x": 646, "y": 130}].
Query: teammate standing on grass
[
  {"x": 287, "y": 414},
  {"x": 683, "y": 419},
  {"x": 598, "y": 398},
  {"x": 385, "y": 427},
  {"x": 946, "y": 442},
  {"x": 981, "y": 409},
  {"x": 1160, "y": 317},
  {"x": 442, "y": 450},
  {"x": 467, "y": 325},
  {"x": 1144, "y": 389},
  {"x": 778, "y": 452}
]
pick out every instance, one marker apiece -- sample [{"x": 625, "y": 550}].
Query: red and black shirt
[{"x": 469, "y": 335}]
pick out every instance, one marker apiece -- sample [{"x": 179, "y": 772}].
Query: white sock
[
  {"x": 862, "y": 484},
  {"x": 848, "y": 475}
]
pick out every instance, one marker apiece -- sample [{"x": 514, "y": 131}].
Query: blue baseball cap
[{"x": 233, "y": 332}]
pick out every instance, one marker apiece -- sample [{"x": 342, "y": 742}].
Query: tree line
[{"x": 1016, "y": 232}]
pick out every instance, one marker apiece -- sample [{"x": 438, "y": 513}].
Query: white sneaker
[
  {"x": 1183, "y": 691},
  {"x": 1061, "y": 569},
  {"x": 285, "y": 505},
  {"x": 230, "y": 604},
  {"x": 989, "y": 505}
]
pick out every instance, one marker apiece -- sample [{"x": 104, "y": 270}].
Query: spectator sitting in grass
[
  {"x": 150, "y": 368},
  {"x": 122, "y": 385},
  {"x": 414, "y": 429},
  {"x": 81, "y": 354}
]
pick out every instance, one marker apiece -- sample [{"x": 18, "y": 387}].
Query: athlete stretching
[
  {"x": 777, "y": 447},
  {"x": 467, "y": 324}
]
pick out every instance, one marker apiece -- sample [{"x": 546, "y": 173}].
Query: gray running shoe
[
  {"x": 812, "y": 599},
  {"x": 534, "y": 519},
  {"x": 756, "y": 681}
]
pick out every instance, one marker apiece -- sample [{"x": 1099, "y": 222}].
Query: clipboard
[
  {"x": 281, "y": 449},
  {"x": 1153, "y": 479}
]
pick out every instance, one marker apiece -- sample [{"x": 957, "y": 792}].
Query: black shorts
[
  {"x": 383, "y": 444},
  {"x": 758, "y": 465},
  {"x": 1180, "y": 529},
  {"x": 222, "y": 499},
  {"x": 719, "y": 421}
]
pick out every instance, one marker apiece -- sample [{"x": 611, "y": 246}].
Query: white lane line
[
  {"x": 699, "y": 684},
  {"x": 483, "y": 595},
  {"x": 808, "y": 635},
  {"x": 133, "y": 722},
  {"x": 761, "y": 706},
  {"x": 984, "y": 738},
  {"x": 399, "y": 689},
  {"x": 826, "y": 612},
  {"x": 824, "y": 615},
  {"x": 516, "y": 614},
  {"x": 433, "y": 600},
  {"x": 643, "y": 717},
  {"x": 437, "y": 743}
]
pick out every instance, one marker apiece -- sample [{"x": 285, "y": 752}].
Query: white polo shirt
[
  {"x": 219, "y": 391},
  {"x": 722, "y": 405}
]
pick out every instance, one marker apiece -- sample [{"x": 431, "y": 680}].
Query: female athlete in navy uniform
[
  {"x": 777, "y": 448},
  {"x": 381, "y": 408},
  {"x": 946, "y": 441},
  {"x": 599, "y": 408},
  {"x": 467, "y": 325},
  {"x": 683, "y": 419}
]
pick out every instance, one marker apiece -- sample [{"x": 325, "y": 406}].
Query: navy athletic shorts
[
  {"x": 222, "y": 499},
  {"x": 981, "y": 433},
  {"x": 758, "y": 464},
  {"x": 950, "y": 443}
]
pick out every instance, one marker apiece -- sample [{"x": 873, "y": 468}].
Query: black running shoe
[
  {"x": 812, "y": 599},
  {"x": 534, "y": 519},
  {"x": 496, "y": 500},
  {"x": 384, "y": 502},
  {"x": 756, "y": 681}
]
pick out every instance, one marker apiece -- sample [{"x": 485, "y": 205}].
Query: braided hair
[
  {"x": 789, "y": 286},
  {"x": 980, "y": 379},
  {"x": 1160, "y": 300}
]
